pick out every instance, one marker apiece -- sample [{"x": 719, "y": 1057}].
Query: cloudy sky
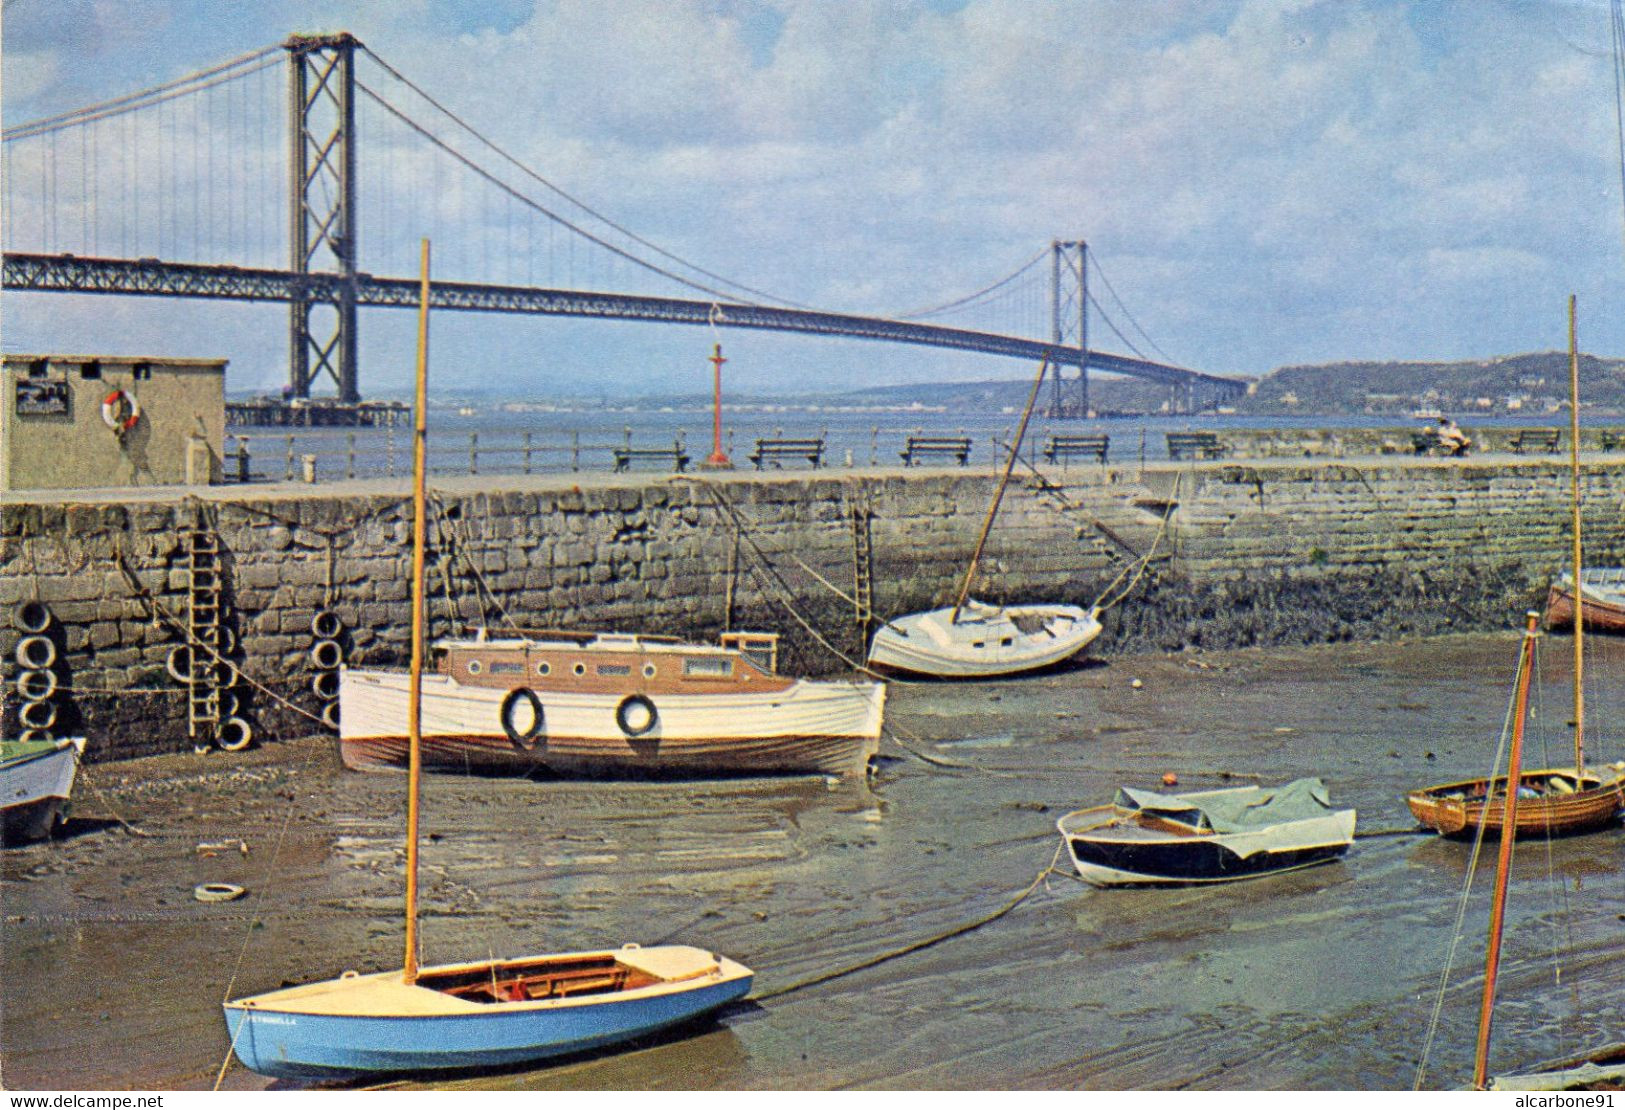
[{"x": 1263, "y": 182}]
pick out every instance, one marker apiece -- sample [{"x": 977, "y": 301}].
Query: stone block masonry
[{"x": 1254, "y": 552}]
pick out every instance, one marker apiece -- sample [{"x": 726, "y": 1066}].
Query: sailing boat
[
  {"x": 976, "y": 640},
  {"x": 485, "y": 1013},
  {"x": 1551, "y": 802}
]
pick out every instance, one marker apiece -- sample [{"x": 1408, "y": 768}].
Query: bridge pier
[{"x": 322, "y": 226}]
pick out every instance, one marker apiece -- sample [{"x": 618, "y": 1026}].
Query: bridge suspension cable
[
  {"x": 502, "y": 153},
  {"x": 967, "y": 299},
  {"x": 1094, "y": 259},
  {"x": 528, "y": 202},
  {"x": 146, "y": 98}
]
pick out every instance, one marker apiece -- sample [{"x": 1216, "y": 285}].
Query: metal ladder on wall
[
  {"x": 203, "y": 626},
  {"x": 863, "y": 597}
]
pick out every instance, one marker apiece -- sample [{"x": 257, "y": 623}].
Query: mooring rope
[
  {"x": 194, "y": 642},
  {"x": 919, "y": 945}
]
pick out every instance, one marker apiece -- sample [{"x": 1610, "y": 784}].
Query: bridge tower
[
  {"x": 1069, "y": 324},
  {"x": 322, "y": 211}
]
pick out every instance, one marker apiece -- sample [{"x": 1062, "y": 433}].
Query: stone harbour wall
[{"x": 1253, "y": 552}]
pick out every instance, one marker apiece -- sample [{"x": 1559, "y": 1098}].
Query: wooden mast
[
  {"x": 1574, "y": 498},
  {"x": 998, "y": 494},
  {"x": 414, "y": 704},
  {"x": 1509, "y": 824}
]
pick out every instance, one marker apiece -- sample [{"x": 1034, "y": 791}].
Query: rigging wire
[
  {"x": 1461, "y": 904},
  {"x": 1616, "y": 26}
]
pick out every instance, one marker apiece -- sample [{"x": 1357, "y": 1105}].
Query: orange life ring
[{"x": 120, "y": 411}]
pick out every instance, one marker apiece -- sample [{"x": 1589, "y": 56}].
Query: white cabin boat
[{"x": 611, "y": 704}]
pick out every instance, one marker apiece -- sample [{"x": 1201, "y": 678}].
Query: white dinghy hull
[{"x": 985, "y": 642}]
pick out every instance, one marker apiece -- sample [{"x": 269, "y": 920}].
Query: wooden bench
[
  {"x": 918, "y": 446},
  {"x": 1544, "y": 439},
  {"x": 776, "y": 450},
  {"x": 624, "y": 456},
  {"x": 1612, "y": 441},
  {"x": 1426, "y": 442},
  {"x": 1064, "y": 447},
  {"x": 1195, "y": 445}
]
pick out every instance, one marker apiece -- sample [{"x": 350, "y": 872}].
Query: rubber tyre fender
[
  {"x": 325, "y": 685},
  {"x": 330, "y": 715},
  {"x": 37, "y": 715},
  {"x": 35, "y": 653},
  {"x": 326, "y": 655},
  {"x": 325, "y": 625},
  {"x": 523, "y": 741},
  {"x": 179, "y": 664},
  {"x": 31, "y": 616},
  {"x": 624, "y": 710},
  {"x": 217, "y": 892},
  {"x": 235, "y": 734},
  {"x": 35, "y": 685}
]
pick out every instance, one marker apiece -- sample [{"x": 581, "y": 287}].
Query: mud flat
[{"x": 1324, "y": 978}]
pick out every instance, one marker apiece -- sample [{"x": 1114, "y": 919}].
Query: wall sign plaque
[{"x": 37, "y": 398}]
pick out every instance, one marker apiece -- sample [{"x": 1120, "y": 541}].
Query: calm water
[{"x": 493, "y": 441}]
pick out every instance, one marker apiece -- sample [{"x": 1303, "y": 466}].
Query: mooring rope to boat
[
  {"x": 776, "y": 588},
  {"x": 194, "y": 642},
  {"x": 919, "y": 945}
]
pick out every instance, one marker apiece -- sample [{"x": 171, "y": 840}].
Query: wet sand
[{"x": 112, "y": 974}]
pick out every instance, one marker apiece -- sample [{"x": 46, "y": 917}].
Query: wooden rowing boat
[{"x": 1602, "y": 595}]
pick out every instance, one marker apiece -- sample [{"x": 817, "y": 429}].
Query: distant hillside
[
  {"x": 1516, "y": 384},
  {"x": 1105, "y": 395}
]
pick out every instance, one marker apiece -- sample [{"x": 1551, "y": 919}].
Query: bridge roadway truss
[{"x": 66, "y": 273}]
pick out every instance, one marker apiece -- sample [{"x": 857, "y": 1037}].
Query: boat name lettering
[{"x": 272, "y": 1019}]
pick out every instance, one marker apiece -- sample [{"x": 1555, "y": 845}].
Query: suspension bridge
[{"x": 244, "y": 181}]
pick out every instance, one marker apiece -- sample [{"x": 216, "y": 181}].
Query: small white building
[{"x": 89, "y": 422}]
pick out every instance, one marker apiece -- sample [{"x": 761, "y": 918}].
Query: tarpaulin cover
[{"x": 1238, "y": 810}]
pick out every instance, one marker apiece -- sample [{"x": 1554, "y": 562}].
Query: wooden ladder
[
  {"x": 203, "y": 628},
  {"x": 863, "y": 597}
]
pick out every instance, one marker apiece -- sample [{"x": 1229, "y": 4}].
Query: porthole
[
  {"x": 544, "y": 668},
  {"x": 475, "y": 666},
  {"x": 648, "y": 670},
  {"x": 579, "y": 669}
]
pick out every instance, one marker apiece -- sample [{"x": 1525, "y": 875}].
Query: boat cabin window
[
  {"x": 544, "y": 668},
  {"x": 579, "y": 669},
  {"x": 648, "y": 670},
  {"x": 475, "y": 666},
  {"x": 979, "y": 643},
  {"x": 614, "y": 670},
  {"x": 1006, "y": 642},
  {"x": 707, "y": 667},
  {"x": 507, "y": 668}
]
